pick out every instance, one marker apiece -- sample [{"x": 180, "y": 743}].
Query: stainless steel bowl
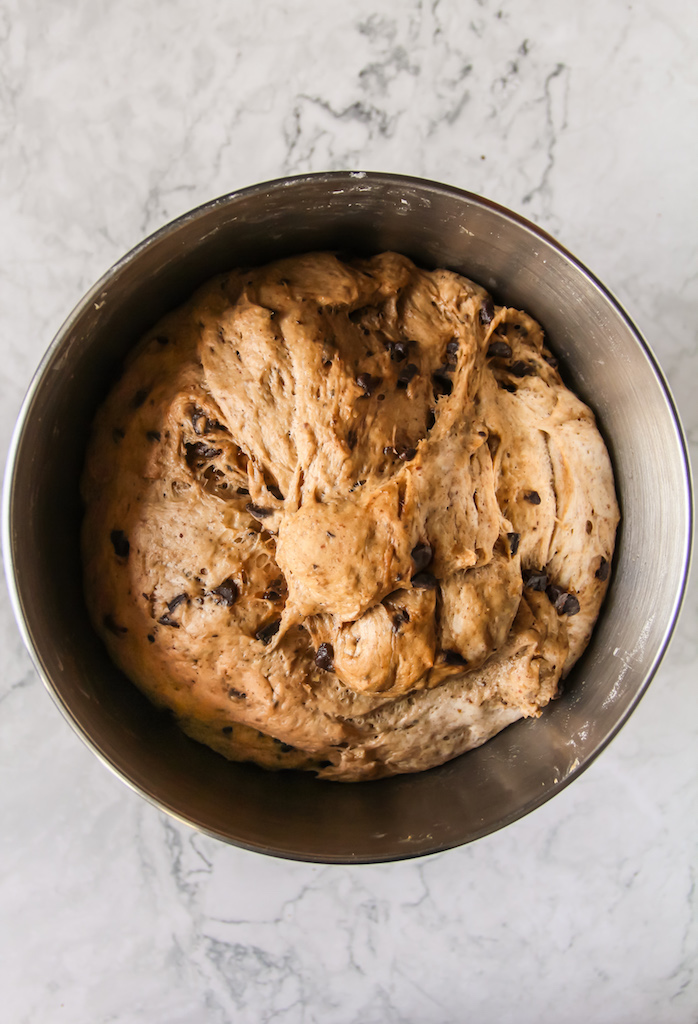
[{"x": 603, "y": 358}]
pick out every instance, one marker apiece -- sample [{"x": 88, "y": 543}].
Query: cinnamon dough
[{"x": 345, "y": 516}]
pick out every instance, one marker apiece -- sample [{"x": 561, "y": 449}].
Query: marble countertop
[{"x": 114, "y": 118}]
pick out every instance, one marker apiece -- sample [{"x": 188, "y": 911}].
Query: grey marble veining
[{"x": 114, "y": 118}]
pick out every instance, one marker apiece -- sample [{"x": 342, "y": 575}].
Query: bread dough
[{"x": 345, "y": 516}]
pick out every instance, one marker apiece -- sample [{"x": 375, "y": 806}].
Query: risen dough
[{"x": 323, "y": 506}]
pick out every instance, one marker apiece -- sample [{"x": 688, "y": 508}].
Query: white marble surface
[{"x": 115, "y": 117}]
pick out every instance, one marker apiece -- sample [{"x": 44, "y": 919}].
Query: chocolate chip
[
  {"x": 454, "y": 658},
  {"x": 153, "y": 435},
  {"x": 151, "y": 638},
  {"x": 368, "y": 384},
  {"x": 225, "y": 593},
  {"x": 139, "y": 398},
  {"x": 452, "y": 352},
  {"x": 324, "y": 658},
  {"x": 407, "y": 374},
  {"x": 443, "y": 385},
  {"x": 351, "y": 440},
  {"x": 499, "y": 350},
  {"x": 406, "y": 454},
  {"x": 557, "y": 597},
  {"x": 571, "y": 606},
  {"x": 199, "y": 452},
  {"x": 267, "y": 632},
  {"x": 242, "y": 490},
  {"x": 113, "y": 627},
  {"x": 532, "y": 497},
  {"x": 551, "y": 360},
  {"x": 535, "y": 579},
  {"x": 275, "y": 492},
  {"x": 431, "y": 418},
  {"x": 603, "y": 570},
  {"x": 506, "y": 386},
  {"x": 422, "y": 556},
  {"x": 271, "y": 595},
  {"x": 258, "y": 511},
  {"x": 424, "y": 581},
  {"x": 227, "y": 729},
  {"x": 487, "y": 311},
  {"x": 232, "y": 692},
  {"x": 197, "y": 415},
  {"x": 398, "y": 351},
  {"x": 120, "y": 543},
  {"x": 513, "y": 539},
  {"x": 286, "y": 748},
  {"x": 176, "y": 601},
  {"x": 522, "y": 369},
  {"x": 400, "y": 619},
  {"x": 165, "y": 620}
]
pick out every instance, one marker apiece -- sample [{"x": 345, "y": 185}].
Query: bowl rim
[{"x": 349, "y": 178}]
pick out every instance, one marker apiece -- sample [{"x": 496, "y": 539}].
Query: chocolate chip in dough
[
  {"x": 227, "y": 729},
  {"x": 271, "y": 595},
  {"x": 557, "y": 597},
  {"x": 487, "y": 311},
  {"x": 424, "y": 581},
  {"x": 242, "y": 490},
  {"x": 120, "y": 543},
  {"x": 563, "y": 602},
  {"x": 324, "y": 658},
  {"x": 398, "y": 351},
  {"x": 406, "y": 375},
  {"x": 422, "y": 556},
  {"x": 443, "y": 385},
  {"x": 506, "y": 386},
  {"x": 275, "y": 492},
  {"x": 237, "y": 694},
  {"x": 199, "y": 451},
  {"x": 499, "y": 350},
  {"x": 368, "y": 384},
  {"x": 513, "y": 539},
  {"x": 535, "y": 579},
  {"x": 258, "y": 511},
  {"x": 267, "y": 632},
  {"x": 165, "y": 620},
  {"x": 603, "y": 570},
  {"x": 153, "y": 435},
  {"x": 533, "y": 497},
  {"x": 452, "y": 352},
  {"x": 139, "y": 398},
  {"x": 431, "y": 418},
  {"x": 226, "y": 593},
  {"x": 406, "y": 454},
  {"x": 176, "y": 601},
  {"x": 522, "y": 369}
]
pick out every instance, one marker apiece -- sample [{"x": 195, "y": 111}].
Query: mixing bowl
[{"x": 603, "y": 358}]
